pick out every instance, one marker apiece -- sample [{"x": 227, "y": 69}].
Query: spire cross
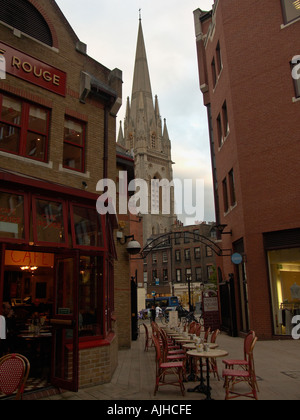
[{"x": 140, "y": 13}]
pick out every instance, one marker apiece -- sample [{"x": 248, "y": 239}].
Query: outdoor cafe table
[{"x": 212, "y": 353}]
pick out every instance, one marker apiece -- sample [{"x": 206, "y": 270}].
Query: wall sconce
[
  {"x": 221, "y": 228},
  {"x": 133, "y": 246}
]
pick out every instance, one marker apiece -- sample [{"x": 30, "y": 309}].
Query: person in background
[{"x": 153, "y": 313}]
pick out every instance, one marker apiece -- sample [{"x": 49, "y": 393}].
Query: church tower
[{"x": 148, "y": 138}]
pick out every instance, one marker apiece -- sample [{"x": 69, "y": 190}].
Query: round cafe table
[
  {"x": 192, "y": 346},
  {"x": 212, "y": 353}
]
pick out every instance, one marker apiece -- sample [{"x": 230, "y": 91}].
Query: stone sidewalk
[{"x": 277, "y": 367}]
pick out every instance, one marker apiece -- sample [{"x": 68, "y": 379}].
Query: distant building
[
  {"x": 182, "y": 256},
  {"x": 245, "y": 55}
]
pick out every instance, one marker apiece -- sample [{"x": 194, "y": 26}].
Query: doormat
[{"x": 294, "y": 374}]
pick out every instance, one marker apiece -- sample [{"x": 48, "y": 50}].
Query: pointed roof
[{"x": 141, "y": 81}]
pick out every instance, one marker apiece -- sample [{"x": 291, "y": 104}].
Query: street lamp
[{"x": 188, "y": 277}]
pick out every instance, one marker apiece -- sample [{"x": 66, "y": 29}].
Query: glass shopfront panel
[
  {"x": 12, "y": 216},
  {"x": 284, "y": 273},
  {"x": 87, "y": 227},
  {"x": 49, "y": 226}
]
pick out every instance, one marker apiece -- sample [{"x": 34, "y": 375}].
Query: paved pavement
[{"x": 277, "y": 367}]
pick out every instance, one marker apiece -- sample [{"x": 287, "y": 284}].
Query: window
[
  {"x": 214, "y": 73},
  {"x": 178, "y": 274},
  {"x": 154, "y": 258},
  {"x": 291, "y": 10},
  {"x": 74, "y": 145},
  {"x": 198, "y": 273},
  {"x": 225, "y": 120},
  {"x": 196, "y": 235},
  {"x": 188, "y": 274},
  {"x": 165, "y": 257},
  {"x": 154, "y": 276},
  {"x": 178, "y": 255},
  {"x": 209, "y": 252},
  {"x": 165, "y": 275},
  {"x": 177, "y": 238},
  {"x": 187, "y": 254},
  {"x": 225, "y": 195},
  {"x": 219, "y": 58},
  {"x": 12, "y": 219},
  {"x": 24, "y": 128},
  {"x": 186, "y": 238},
  {"x": 232, "y": 188},
  {"x": 50, "y": 222},
  {"x": 197, "y": 253},
  {"x": 219, "y": 131},
  {"x": 86, "y": 227}
]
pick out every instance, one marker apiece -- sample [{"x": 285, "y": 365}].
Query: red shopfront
[{"x": 56, "y": 273}]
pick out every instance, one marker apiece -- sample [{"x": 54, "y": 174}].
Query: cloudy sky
[{"x": 110, "y": 28}]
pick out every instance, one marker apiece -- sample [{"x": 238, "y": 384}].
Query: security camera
[{"x": 133, "y": 247}]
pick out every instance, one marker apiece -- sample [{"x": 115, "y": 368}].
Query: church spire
[{"x": 141, "y": 79}]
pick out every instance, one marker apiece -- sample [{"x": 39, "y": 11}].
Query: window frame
[
  {"x": 24, "y": 129},
  {"x": 285, "y": 18},
  {"x": 73, "y": 233},
  {"x": 65, "y": 220},
  {"x": 26, "y": 217},
  {"x": 82, "y": 147}
]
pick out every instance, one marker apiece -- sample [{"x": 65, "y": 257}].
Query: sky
[{"x": 110, "y": 29}]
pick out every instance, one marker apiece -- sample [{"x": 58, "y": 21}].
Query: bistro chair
[
  {"x": 148, "y": 338},
  {"x": 206, "y": 334},
  {"x": 14, "y": 371},
  {"x": 213, "y": 361},
  {"x": 246, "y": 374},
  {"x": 192, "y": 327},
  {"x": 174, "y": 368}
]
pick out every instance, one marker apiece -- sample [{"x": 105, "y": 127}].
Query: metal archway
[{"x": 166, "y": 239}]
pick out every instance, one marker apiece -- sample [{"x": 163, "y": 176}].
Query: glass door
[{"x": 65, "y": 323}]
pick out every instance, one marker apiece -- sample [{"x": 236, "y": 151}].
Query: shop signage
[
  {"x": 22, "y": 258},
  {"x": 236, "y": 258},
  {"x": 33, "y": 71}
]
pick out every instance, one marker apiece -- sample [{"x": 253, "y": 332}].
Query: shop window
[
  {"x": 284, "y": 274},
  {"x": 24, "y": 128},
  {"x": 291, "y": 10},
  {"x": 90, "y": 289},
  {"x": 74, "y": 145},
  {"x": 12, "y": 221},
  {"x": 87, "y": 228},
  {"x": 50, "y": 224}
]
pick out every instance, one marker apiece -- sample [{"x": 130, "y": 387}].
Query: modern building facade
[
  {"x": 58, "y": 111},
  {"x": 249, "y": 79}
]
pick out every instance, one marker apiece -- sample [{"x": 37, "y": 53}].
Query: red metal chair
[
  {"x": 167, "y": 368},
  {"x": 148, "y": 338},
  {"x": 247, "y": 375},
  {"x": 244, "y": 363},
  {"x": 14, "y": 371}
]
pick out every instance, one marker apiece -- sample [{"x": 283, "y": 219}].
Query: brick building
[
  {"x": 245, "y": 55},
  {"x": 186, "y": 254},
  {"x": 57, "y": 140}
]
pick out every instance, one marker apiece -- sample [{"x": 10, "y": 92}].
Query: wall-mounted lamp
[
  {"x": 133, "y": 246},
  {"x": 221, "y": 228},
  {"x": 84, "y": 185}
]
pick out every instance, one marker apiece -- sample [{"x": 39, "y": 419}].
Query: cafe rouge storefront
[{"x": 56, "y": 275}]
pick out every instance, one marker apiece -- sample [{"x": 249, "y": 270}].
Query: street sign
[
  {"x": 153, "y": 294},
  {"x": 236, "y": 258}
]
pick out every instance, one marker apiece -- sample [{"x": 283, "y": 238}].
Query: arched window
[{"x": 22, "y": 15}]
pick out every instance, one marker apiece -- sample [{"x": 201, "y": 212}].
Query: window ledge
[
  {"x": 286, "y": 25},
  {"x": 71, "y": 172},
  {"x": 48, "y": 165}
]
